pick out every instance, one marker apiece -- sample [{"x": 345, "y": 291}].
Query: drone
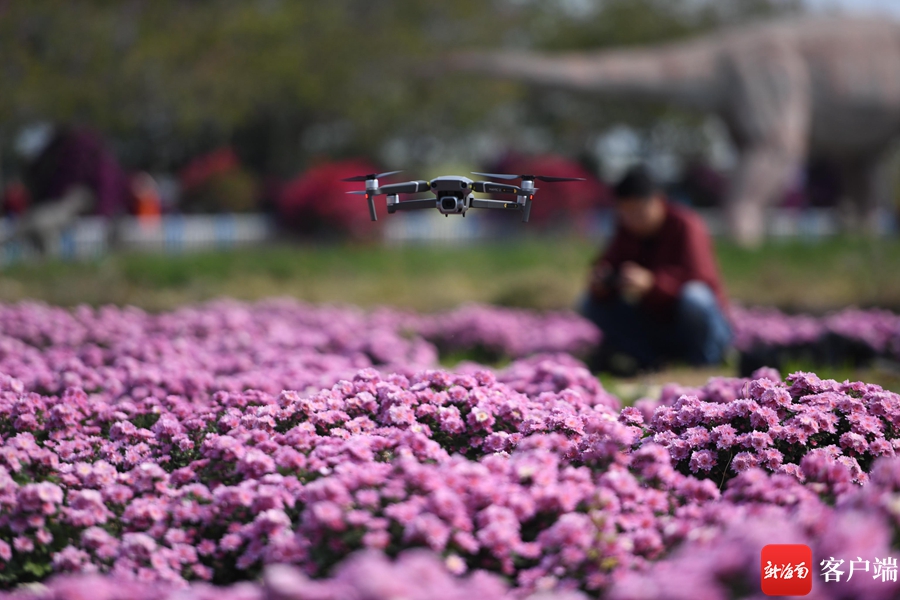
[{"x": 454, "y": 195}]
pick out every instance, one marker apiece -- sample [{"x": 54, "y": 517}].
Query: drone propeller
[
  {"x": 547, "y": 178},
  {"x": 371, "y": 176},
  {"x": 371, "y": 188},
  {"x": 407, "y": 187}
]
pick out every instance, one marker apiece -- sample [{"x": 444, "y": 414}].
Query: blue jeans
[{"x": 699, "y": 333}]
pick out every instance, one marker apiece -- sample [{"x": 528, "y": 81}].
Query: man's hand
[{"x": 634, "y": 281}]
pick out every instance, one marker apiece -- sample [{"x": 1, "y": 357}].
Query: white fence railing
[
  {"x": 430, "y": 226},
  {"x": 91, "y": 236}
]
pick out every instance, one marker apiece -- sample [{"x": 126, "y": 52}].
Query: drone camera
[{"x": 451, "y": 205}]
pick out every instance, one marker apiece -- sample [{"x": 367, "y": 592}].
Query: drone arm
[
  {"x": 482, "y": 203},
  {"x": 412, "y": 204},
  {"x": 407, "y": 187},
  {"x": 489, "y": 187}
]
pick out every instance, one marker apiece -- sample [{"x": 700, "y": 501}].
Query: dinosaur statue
[{"x": 827, "y": 87}]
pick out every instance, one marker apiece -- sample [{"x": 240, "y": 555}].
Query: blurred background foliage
[
  {"x": 287, "y": 83},
  {"x": 233, "y": 98}
]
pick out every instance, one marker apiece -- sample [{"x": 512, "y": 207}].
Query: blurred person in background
[
  {"x": 15, "y": 198},
  {"x": 69, "y": 172},
  {"x": 147, "y": 198},
  {"x": 656, "y": 292}
]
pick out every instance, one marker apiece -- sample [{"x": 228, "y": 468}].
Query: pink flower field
[{"x": 283, "y": 451}]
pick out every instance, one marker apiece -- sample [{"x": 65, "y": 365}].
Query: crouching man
[{"x": 655, "y": 292}]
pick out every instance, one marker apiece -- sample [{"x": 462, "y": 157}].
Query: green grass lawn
[{"x": 541, "y": 273}]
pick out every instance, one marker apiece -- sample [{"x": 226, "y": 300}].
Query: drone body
[{"x": 454, "y": 195}]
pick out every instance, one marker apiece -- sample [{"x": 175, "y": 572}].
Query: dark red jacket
[{"x": 680, "y": 252}]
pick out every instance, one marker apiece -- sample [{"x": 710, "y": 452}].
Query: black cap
[{"x": 636, "y": 183}]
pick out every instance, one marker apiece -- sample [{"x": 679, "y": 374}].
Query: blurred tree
[{"x": 285, "y": 81}]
